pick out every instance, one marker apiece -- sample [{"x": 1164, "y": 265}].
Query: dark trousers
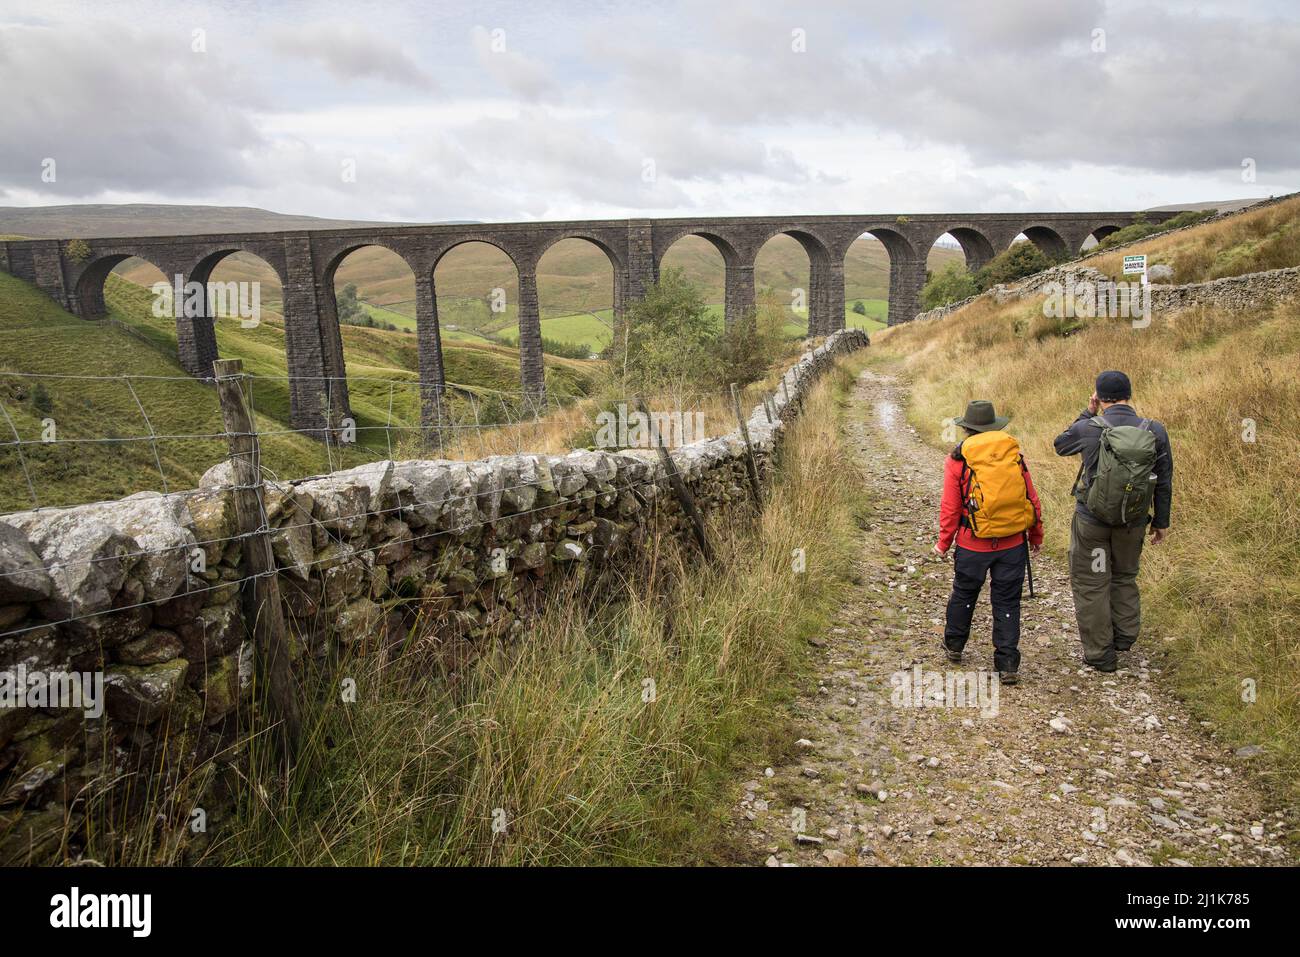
[{"x": 1005, "y": 570}]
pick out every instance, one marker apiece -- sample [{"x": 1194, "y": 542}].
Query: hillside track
[{"x": 1071, "y": 767}]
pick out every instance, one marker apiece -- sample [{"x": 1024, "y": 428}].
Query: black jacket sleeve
[
  {"x": 1164, "y": 493},
  {"x": 1070, "y": 442}
]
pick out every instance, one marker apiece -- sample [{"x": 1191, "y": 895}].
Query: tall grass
[
  {"x": 1267, "y": 238},
  {"x": 609, "y": 733},
  {"x": 574, "y": 424},
  {"x": 1224, "y": 587}
]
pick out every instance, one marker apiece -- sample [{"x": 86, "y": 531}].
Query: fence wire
[{"x": 460, "y": 422}]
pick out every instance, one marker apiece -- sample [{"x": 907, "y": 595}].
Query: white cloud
[
  {"x": 941, "y": 105},
  {"x": 525, "y": 76},
  {"x": 351, "y": 52}
]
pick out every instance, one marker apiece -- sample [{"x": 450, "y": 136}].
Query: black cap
[{"x": 1114, "y": 386}]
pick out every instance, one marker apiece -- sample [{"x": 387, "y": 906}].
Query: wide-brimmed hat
[{"x": 980, "y": 417}]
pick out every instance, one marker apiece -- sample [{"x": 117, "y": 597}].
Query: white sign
[{"x": 1134, "y": 265}]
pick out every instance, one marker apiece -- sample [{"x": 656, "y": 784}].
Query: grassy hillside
[
  {"x": 1268, "y": 238},
  {"x": 38, "y": 337},
  {"x": 1221, "y": 595}
]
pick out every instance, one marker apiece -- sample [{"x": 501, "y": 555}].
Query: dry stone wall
[
  {"x": 145, "y": 593},
  {"x": 1233, "y": 292}
]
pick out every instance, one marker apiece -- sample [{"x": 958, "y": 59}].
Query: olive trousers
[{"x": 1104, "y": 564}]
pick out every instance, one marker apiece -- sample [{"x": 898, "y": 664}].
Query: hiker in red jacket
[{"x": 991, "y": 510}]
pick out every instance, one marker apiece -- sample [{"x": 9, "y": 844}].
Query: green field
[
  {"x": 40, "y": 339},
  {"x": 594, "y": 331}
]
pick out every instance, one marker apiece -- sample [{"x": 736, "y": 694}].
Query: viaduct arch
[{"x": 305, "y": 261}]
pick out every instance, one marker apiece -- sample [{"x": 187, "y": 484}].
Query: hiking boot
[
  {"x": 1123, "y": 644},
  {"x": 1009, "y": 677},
  {"x": 1106, "y": 668},
  {"x": 953, "y": 656}
]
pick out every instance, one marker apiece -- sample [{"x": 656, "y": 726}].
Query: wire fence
[
  {"x": 183, "y": 554},
  {"x": 387, "y": 417},
  {"x": 68, "y": 439},
  {"x": 70, "y": 436}
]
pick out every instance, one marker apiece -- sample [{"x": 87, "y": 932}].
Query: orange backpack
[{"x": 997, "y": 504}]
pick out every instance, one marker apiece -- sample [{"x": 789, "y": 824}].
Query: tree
[
  {"x": 860, "y": 308},
  {"x": 350, "y": 310},
  {"x": 666, "y": 337},
  {"x": 565, "y": 349},
  {"x": 952, "y": 283}
]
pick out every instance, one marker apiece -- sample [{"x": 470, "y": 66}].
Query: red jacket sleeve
[
  {"x": 950, "y": 504},
  {"x": 1035, "y": 533}
]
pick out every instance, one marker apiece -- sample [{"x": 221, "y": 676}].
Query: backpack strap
[
  {"x": 961, "y": 488},
  {"x": 1102, "y": 424}
]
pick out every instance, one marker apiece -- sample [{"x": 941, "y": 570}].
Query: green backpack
[{"x": 1120, "y": 492}]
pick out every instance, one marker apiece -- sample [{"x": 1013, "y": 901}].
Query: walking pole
[{"x": 1029, "y": 566}]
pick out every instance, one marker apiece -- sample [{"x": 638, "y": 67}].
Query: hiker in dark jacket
[
  {"x": 994, "y": 539},
  {"x": 1105, "y": 552}
]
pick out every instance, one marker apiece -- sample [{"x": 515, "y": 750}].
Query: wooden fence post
[
  {"x": 683, "y": 494},
  {"x": 750, "y": 465},
  {"x": 263, "y": 612}
]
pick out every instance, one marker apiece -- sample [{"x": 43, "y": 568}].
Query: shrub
[
  {"x": 952, "y": 283},
  {"x": 752, "y": 344},
  {"x": 41, "y": 399},
  {"x": 78, "y": 250},
  {"x": 1021, "y": 260},
  {"x": 1142, "y": 229},
  {"x": 565, "y": 350}
]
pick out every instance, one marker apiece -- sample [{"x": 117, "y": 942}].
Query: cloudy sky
[{"x": 604, "y": 108}]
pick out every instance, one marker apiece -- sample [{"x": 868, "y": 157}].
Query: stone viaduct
[{"x": 306, "y": 262}]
